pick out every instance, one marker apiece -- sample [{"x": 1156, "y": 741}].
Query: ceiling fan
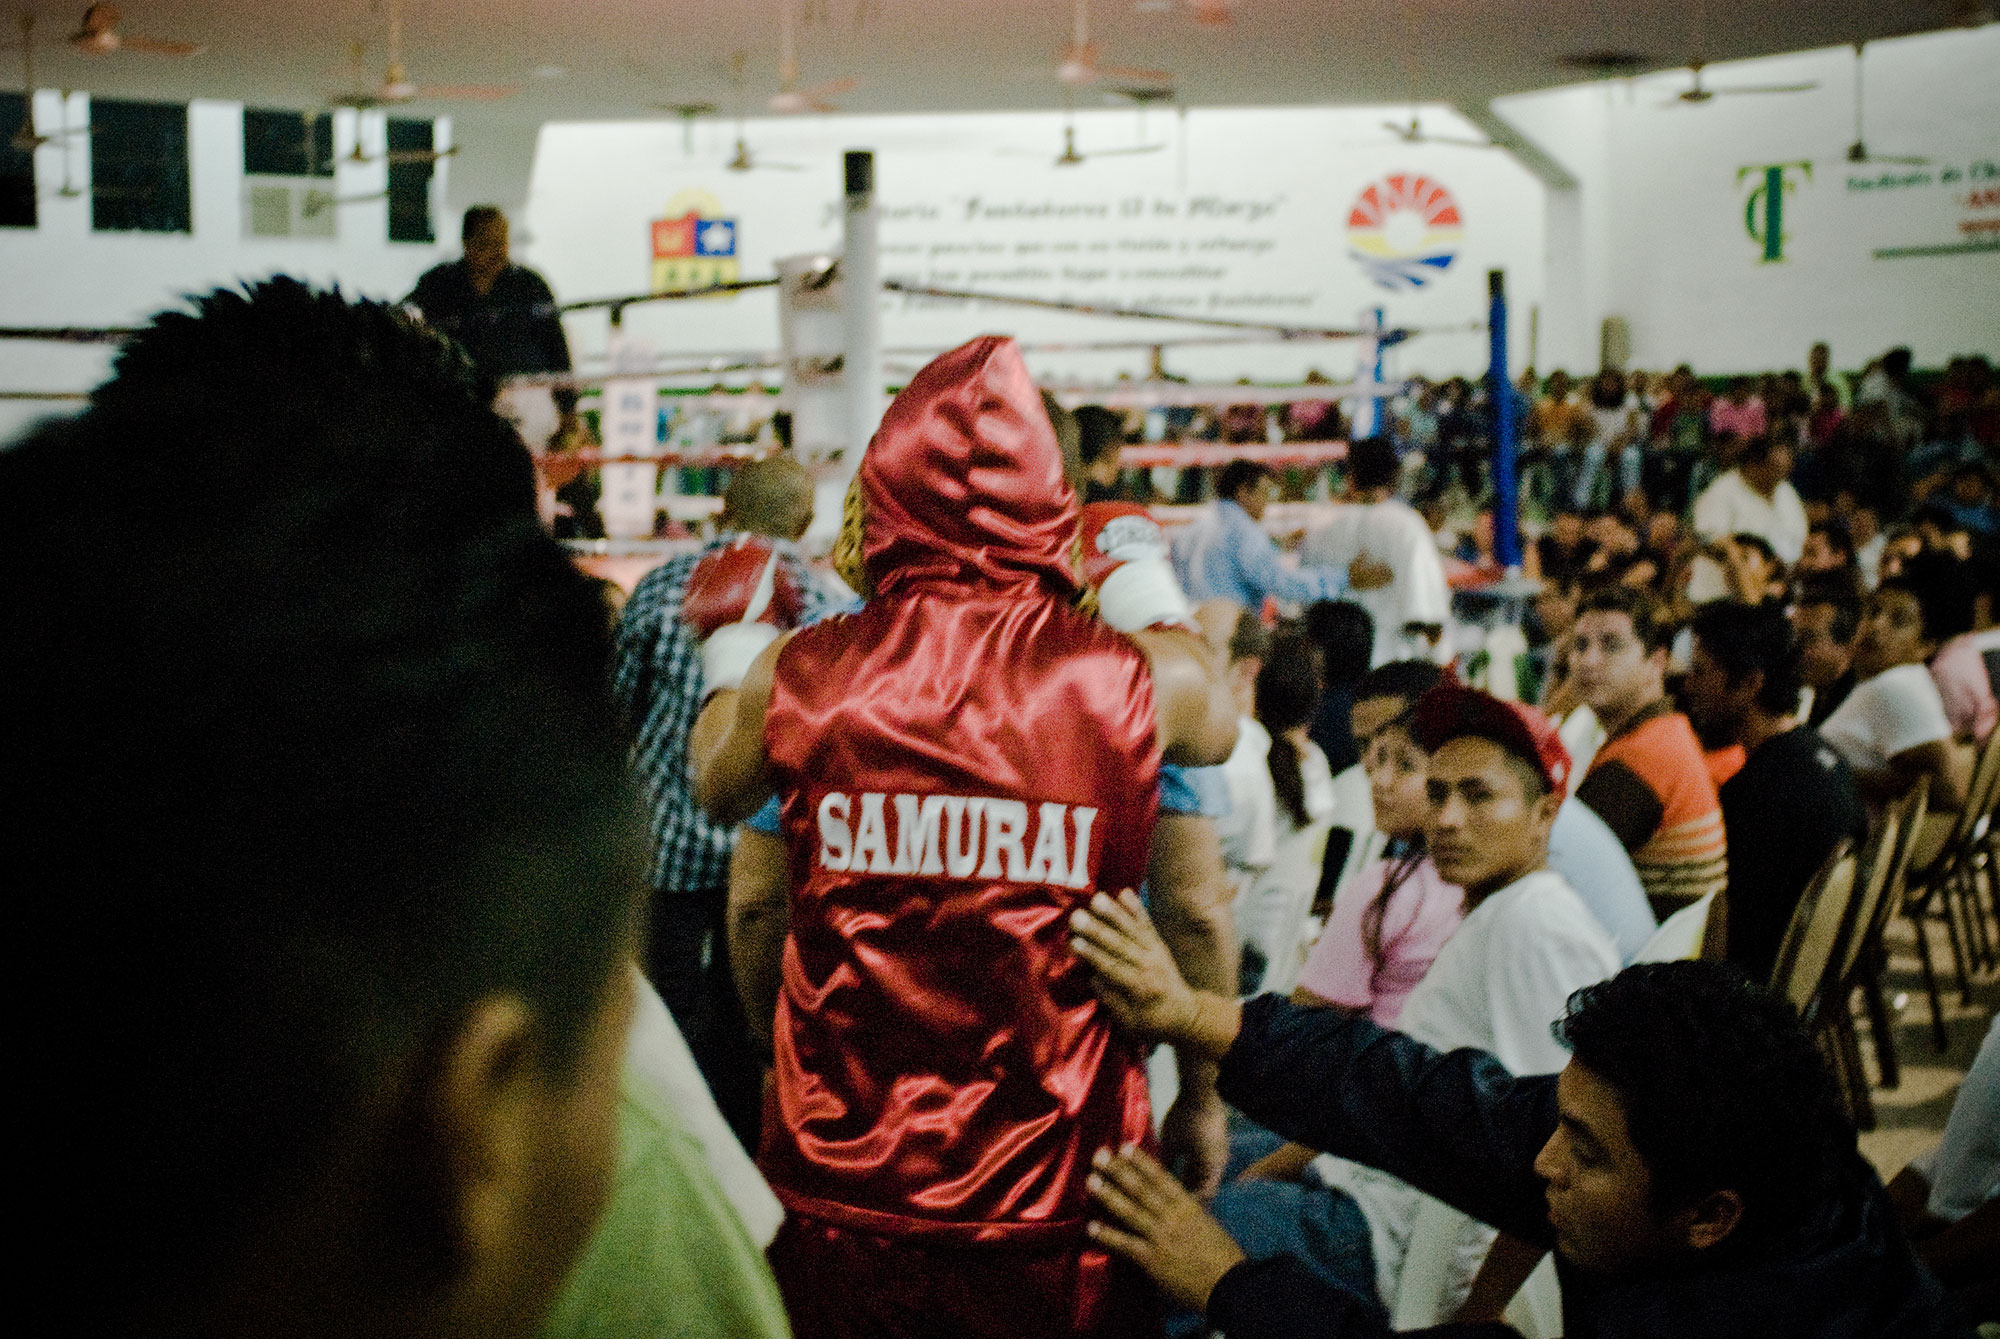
[
  {"x": 743, "y": 160},
  {"x": 396, "y": 86},
  {"x": 99, "y": 36},
  {"x": 1857, "y": 152},
  {"x": 790, "y": 99},
  {"x": 27, "y": 139},
  {"x": 400, "y": 155},
  {"x": 1698, "y": 92},
  {"x": 689, "y": 112},
  {"x": 1414, "y": 133},
  {"x": 1071, "y": 156},
  {"x": 1077, "y": 65}
]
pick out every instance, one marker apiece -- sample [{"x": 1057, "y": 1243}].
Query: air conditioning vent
[{"x": 289, "y": 207}]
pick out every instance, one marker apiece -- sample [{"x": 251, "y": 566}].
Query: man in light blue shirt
[
  {"x": 1228, "y": 555},
  {"x": 1584, "y": 850}
]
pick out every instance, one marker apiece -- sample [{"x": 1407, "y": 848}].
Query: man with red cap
[
  {"x": 1498, "y": 772},
  {"x": 959, "y": 765}
]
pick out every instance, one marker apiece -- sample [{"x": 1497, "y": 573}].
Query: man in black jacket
[{"x": 1691, "y": 1167}]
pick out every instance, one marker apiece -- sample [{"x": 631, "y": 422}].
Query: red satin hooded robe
[{"x": 943, "y": 1069}]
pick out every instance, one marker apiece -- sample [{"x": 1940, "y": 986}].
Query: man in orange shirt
[{"x": 1649, "y": 782}]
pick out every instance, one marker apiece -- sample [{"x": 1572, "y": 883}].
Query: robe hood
[{"x": 963, "y": 482}]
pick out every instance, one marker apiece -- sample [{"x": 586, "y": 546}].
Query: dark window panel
[
  {"x": 410, "y": 182},
  {"x": 287, "y": 144},
  {"x": 139, "y": 167},
  {"x": 17, "y": 166}
]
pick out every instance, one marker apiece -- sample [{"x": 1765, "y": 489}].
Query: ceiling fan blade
[
  {"x": 1128, "y": 149},
  {"x": 832, "y": 88},
  {"x": 153, "y": 46},
  {"x": 1134, "y": 74},
  {"x": 458, "y": 92},
  {"x": 417, "y": 155},
  {"x": 1767, "y": 88}
]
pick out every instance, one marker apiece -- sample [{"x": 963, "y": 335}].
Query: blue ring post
[{"x": 1506, "y": 488}]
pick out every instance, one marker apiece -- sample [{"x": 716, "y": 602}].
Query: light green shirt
[{"x": 670, "y": 1256}]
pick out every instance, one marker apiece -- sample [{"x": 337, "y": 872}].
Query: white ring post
[{"x": 861, "y": 277}]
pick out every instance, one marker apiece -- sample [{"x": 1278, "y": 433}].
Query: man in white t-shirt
[
  {"x": 1498, "y": 773},
  {"x": 1411, "y": 611},
  {"x": 1892, "y": 729},
  {"x": 1248, "y": 833},
  {"x": 1756, "y": 498}
]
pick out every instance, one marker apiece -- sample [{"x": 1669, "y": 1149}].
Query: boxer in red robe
[{"x": 960, "y": 765}]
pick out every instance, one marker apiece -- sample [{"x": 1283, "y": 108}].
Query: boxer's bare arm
[
  {"x": 1190, "y": 898},
  {"x": 760, "y": 916},
  {"x": 1195, "y": 717},
  {"x": 726, "y": 747}
]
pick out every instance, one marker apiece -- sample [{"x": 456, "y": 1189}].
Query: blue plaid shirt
[{"x": 657, "y": 681}]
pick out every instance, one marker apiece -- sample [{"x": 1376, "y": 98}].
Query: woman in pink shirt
[
  {"x": 1390, "y": 922},
  {"x": 1739, "y": 414}
]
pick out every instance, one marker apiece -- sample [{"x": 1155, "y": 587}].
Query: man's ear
[
  {"x": 1713, "y": 1217},
  {"x": 480, "y": 1114},
  {"x": 1546, "y": 805}
]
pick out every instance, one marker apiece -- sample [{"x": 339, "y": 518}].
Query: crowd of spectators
[{"x": 361, "y": 983}]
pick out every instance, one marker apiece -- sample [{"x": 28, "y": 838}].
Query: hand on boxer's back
[{"x": 739, "y": 599}]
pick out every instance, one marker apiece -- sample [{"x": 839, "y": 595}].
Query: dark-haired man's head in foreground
[
  {"x": 1696, "y": 1112},
  {"x": 329, "y": 830}
]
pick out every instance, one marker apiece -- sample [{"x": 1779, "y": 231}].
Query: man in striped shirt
[
  {"x": 1648, "y": 782},
  {"x": 657, "y": 681}
]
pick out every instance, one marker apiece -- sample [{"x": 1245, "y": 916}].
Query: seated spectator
[
  {"x": 1864, "y": 523},
  {"x": 337, "y": 862},
  {"x": 1648, "y": 782},
  {"x": 1829, "y": 556},
  {"x": 1967, "y": 668},
  {"x": 1969, "y": 497},
  {"x": 1887, "y": 383},
  {"x": 1100, "y": 437},
  {"x": 1691, "y": 1166},
  {"x": 1754, "y": 573},
  {"x": 1389, "y": 923},
  {"x": 1618, "y": 423},
  {"x": 1892, "y": 729},
  {"x": 1249, "y": 832},
  {"x": 1756, "y": 497},
  {"x": 1562, "y": 549},
  {"x": 1410, "y": 610},
  {"x": 1737, "y": 413},
  {"x": 1345, "y": 636},
  {"x": 1948, "y": 1197},
  {"x": 1826, "y": 617},
  {"x": 1495, "y": 778},
  {"x": 1793, "y": 799},
  {"x": 1556, "y": 415},
  {"x": 1271, "y": 913}
]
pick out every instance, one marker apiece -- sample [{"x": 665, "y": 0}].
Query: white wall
[
  {"x": 1242, "y": 214},
  {"x": 60, "y": 273},
  {"x": 1662, "y": 198}
]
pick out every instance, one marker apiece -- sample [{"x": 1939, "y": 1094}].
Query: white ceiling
[
  {"x": 578, "y": 59},
  {"x": 936, "y": 55}
]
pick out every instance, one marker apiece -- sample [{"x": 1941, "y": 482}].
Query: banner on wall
[
  {"x": 1289, "y": 217},
  {"x": 1895, "y": 212}
]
